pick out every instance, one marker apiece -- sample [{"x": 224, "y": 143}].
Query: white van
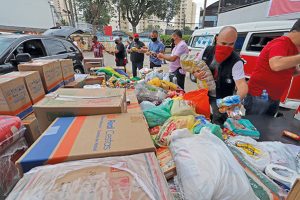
[{"x": 252, "y": 37}]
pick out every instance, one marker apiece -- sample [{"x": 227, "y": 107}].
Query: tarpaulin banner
[{"x": 283, "y": 7}]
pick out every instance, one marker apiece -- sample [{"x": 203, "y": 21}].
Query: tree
[
  {"x": 64, "y": 22},
  {"x": 135, "y": 10},
  {"x": 96, "y": 12}
]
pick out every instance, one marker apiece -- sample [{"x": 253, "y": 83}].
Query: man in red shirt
[
  {"x": 275, "y": 67},
  {"x": 97, "y": 48}
]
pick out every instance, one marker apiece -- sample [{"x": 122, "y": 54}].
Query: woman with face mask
[{"x": 227, "y": 68}]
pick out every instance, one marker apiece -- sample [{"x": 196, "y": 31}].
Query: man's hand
[
  {"x": 200, "y": 75},
  {"x": 148, "y": 53},
  {"x": 160, "y": 56}
]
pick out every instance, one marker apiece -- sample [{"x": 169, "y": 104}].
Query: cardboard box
[
  {"x": 79, "y": 81},
  {"x": 50, "y": 72},
  {"x": 32, "y": 132},
  {"x": 166, "y": 162},
  {"x": 92, "y": 62},
  {"x": 91, "y": 80},
  {"x": 294, "y": 194},
  {"x": 66, "y": 102},
  {"x": 133, "y": 105},
  {"x": 14, "y": 98},
  {"x": 33, "y": 84},
  {"x": 113, "y": 178},
  {"x": 67, "y": 69},
  {"x": 84, "y": 137}
]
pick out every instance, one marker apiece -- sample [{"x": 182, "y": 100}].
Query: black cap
[{"x": 296, "y": 26}]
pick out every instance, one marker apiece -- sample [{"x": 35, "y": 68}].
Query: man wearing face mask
[
  {"x": 120, "y": 53},
  {"x": 136, "y": 54},
  {"x": 155, "y": 47},
  {"x": 226, "y": 67},
  {"x": 179, "y": 49}
]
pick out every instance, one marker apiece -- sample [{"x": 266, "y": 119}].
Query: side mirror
[{"x": 23, "y": 57}]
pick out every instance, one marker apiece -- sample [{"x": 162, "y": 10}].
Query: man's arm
[
  {"x": 166, "y": 57},
  {"x": 279, "y": 63},
  {"x": 242, "y": 88}
]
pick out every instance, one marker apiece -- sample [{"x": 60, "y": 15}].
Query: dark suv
[{"x": 48, "y": 46}]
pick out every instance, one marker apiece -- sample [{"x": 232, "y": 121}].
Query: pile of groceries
[{"x": 105, "y": 135}]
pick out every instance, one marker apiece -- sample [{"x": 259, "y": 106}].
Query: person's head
[
  {"x": 154, "y": 36},
  {"x": 121, "y": 38},
  {"x": 136, "y": 37},
  {"x": 177, "y": 36},
  {"x": 95, "y": 39},
  {"x": 294, "y": 34},
  {"x": 130, "y": 38},
  {"x": 225, "y": 43},
  {"x": 117, "y": 40}
]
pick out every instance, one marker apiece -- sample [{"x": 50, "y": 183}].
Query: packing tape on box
[
  {"x": 281, "y": 174},
  {"x": 68, "y": 97}
]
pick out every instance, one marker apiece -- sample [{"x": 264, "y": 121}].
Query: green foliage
[
  {"x": 167, "y": 39},
  {"x": 135, "y": 10},
  {"x": 96, "y": 12}
]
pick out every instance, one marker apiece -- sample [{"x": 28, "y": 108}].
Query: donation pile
[{"x": 108, "y": 136}]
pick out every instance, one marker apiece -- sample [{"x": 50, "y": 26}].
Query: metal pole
[
  {"x": 200, "y": 17},
  {"x": 119, "y": 15},
  {"x": 66, "y": 5},
  {"x": 72, "y": 13},
  {"x": 219, "y": 11},
  {"x": 204, "y": 13},
  {"x": 75, "y": 9}
]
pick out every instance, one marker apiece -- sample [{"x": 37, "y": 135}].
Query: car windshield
[{"x": 5, "y": 42}]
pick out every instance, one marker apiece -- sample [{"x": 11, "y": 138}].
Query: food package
[
  {"x": 146, "y": 92},
  {"x": 117, "y": 178},
  {"x": 207, "y": 169},
  {"x": 166, "y": 85},
  {"x": 253, "y": 151},
  {"x": 182, "y": 108},
  {"x": 242, "y": 127},
  {"x": 9, "y": 173},
  {"x": 191, "y": 64},
  {"x": 172, "y": 124},
  {"x": 166, "y": 162},
  {"x": 10, "y": 130}
]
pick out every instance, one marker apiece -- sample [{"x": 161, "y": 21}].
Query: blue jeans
[{"x": 257, "y": 106}]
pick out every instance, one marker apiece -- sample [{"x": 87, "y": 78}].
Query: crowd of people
[{"x": 276, "y": 65}]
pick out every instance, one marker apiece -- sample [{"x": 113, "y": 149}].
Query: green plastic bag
[
  {"x": 242, "y": 127},
  {"x": 156, "y": 116}
]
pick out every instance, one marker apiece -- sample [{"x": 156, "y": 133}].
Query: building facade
[
  {"x": 20, "y": 15},
  {"x": 242, "y": 11},
  {"x": 186, "y": 15}
]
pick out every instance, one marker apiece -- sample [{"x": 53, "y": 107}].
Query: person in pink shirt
[{"x": 180, "y": 48}]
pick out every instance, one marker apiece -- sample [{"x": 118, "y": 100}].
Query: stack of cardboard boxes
[{"x": 77, "y": 123}]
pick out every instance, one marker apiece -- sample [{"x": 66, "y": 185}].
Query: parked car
[{"x": 54, "y": 44}]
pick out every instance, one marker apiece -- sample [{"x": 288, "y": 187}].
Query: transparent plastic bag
[
  {"x": 125, "y": 177},
  {"x": 9, "y": 174},
  {"x": 146, "y": 92}
]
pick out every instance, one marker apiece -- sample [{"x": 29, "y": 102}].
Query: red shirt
[
  {"x": 264, "y": 78},
  {"x": 98, "y": 49}
]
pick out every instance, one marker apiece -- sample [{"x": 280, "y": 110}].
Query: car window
[
  {"x": 69, "y": 46},
  {"x": 34, "y": 47},
  {"x": 259, "y": 40},
  {"x": 5, "y": 43},
  {"x": 240, "y": 42},
  {"x": 54, "y": 47},
  {"x": 202, "y": 41}
]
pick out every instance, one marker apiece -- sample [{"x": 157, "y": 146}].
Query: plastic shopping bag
[{"x": 200, "y": 100}]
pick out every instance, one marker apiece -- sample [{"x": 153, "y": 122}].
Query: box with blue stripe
[{"x": 84, "y": 137}]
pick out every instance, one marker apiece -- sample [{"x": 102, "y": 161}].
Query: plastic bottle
[
  {"x": 174, "y": 80},
  {"x": 264, "y": 96}
]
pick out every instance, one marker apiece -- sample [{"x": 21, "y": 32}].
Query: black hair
[
  {"x": 178, "y": 33},
  {"x": 296, "y": 26},
  {"x": 155, "y": 31},
  {"x": 95, "y": 37},
  {"x": 130, "y": 37}
]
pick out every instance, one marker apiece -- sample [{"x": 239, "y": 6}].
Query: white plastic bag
[
  {"x": 207, "y": 169},
  {"x": 259, "y": 160}
]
